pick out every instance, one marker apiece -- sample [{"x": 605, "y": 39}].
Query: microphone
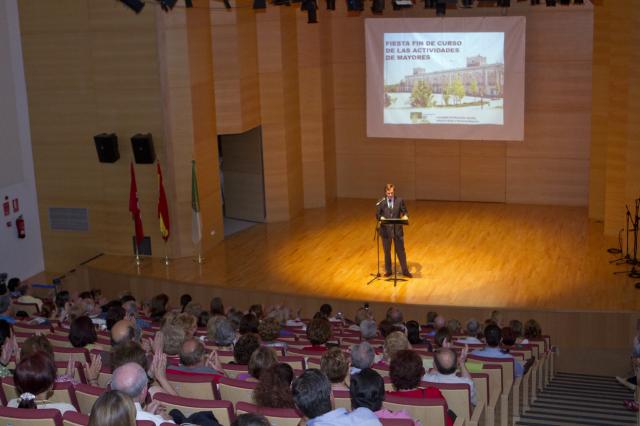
[{"x": 381, "y": 200}]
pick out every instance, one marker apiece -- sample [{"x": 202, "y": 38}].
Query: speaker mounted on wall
[
  {"x": 142, "y": 145},
  {"x": 107, "y": 147}
]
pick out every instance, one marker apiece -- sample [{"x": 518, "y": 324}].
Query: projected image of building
[{"x": 488, "y": 78}]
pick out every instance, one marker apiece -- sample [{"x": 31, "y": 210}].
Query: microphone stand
[
  {"x": 376, "y": 236},
  {"x": 633, "y": 272}
]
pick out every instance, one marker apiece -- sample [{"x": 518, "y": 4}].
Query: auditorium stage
[{"x": 461, "y": 254}]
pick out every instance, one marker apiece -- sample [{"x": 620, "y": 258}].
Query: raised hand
[{"x": 93, "y": 369}]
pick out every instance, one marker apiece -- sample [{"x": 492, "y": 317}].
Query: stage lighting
[
  {"x": 551, "y": 3},
  {"x": 353, "y": 5},
  {"x": 310, "y": 6},
  {"x": 135, "y": 5},
  {"x": 167, "y": 5},
  {"x": 401, "y": 4},
  {"x": 377, "y": 7}
]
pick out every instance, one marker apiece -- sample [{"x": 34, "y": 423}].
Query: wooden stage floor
[{"x": 461, "y": 254}]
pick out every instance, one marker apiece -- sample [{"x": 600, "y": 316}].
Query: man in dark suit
[{"x": 388, "y": 208}]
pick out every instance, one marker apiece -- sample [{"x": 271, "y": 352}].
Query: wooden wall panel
[{"x": 557, "y": 110}]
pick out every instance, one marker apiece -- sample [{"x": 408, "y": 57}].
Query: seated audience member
[
  {"x": 34, "y": 378},
  {"x": 174, "y": 336},
  {"x": 361, "y": 315},
  {"x": 312, "y": 396},
  {"x": 40, "y": 344},
  {"x": 248, "y": 324},
  {"x": 62, "y": 302},
  {"x": 6, "y": 312},
  {"x": 185, "y": 299},
  {"x": 188, "y": 322},
  {"x": 131, "y": 379},
  {"x": 123, "y": 331},
  {"x": 368, "y": 329},
  {"x": 251, "y": 419},
  {"x": 367, "y": 390},
  {"x": 194, "y": 360},
  {"x": 220, "y": 331},
  {"x": 439, "y": 321},
  {"x": 269, "y": 331},
  {"x": 158, "y": 307},
  {"x": 394, "y": 342},
  {"x": 431, "y": 317},
  {"x": 413, "y": 335},
  {"x": 454, "y": 326},
  {"x": 386, "y": 327},
  {"x": 127, "y": 352},
  {"x": 203, "y": 319},
  {"x": 236, "y": 318},
  {"x": 335, "y": 366},
  {"x": 446, "y": 363},
  {"x": 257, "y": 311},
  {"x": 113, "y": 315},
  {"x": 496, "y": 318},
  {"x": 82, "y": 333},
  {"x": 517, "y": 328},
  {"x": 406, "y": 372},
  {"x": 318, "y": 333},
  {"x": 274, "y": 387},
  {"x": 8, "y": 348},
  {"x": 508, "y": 339},
  {"x": 362, "y": 356},
  {"x": 395, "y": 317},
  {"x": 472, "y": 330},
  {"x": 27, "y": 297},
  {"x": 216, "y": 308},
  {"x": 442, "y": 338},
  {"x": 325, "y": 311},
  {"x": 132, "y": 314},
  {"x": 12, "y": 285},
  {"x": 245, "y": 346},
  {"x": 532, "y": 330},
  {"x": 113, "y": 408},
  {"x": 261, "y": 359},
  {"x": 493, "y": 336}
]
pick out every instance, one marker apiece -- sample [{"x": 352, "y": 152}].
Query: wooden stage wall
[{"x": 548, "y": 263}]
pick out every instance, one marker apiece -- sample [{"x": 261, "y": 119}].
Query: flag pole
[
  {"x": 165, "y": 260},
  {"x": 138, "y": 258}
]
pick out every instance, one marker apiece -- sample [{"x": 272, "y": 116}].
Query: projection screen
[{"x": 446, "y": 78}]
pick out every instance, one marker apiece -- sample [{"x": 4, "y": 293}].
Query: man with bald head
[
  {"x": 446, "y": 363},
  {"x": 132, "y": 380},
  {"x": 123, "y": 331},
  {"x": 194, "y": 360}
]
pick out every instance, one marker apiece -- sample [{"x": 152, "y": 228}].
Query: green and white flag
[{"x": 196, "y": 223}]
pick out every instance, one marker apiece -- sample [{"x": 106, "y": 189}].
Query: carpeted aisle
[{"x": 579, "y": 399}]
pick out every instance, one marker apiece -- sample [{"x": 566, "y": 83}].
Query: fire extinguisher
[{"x": 20, "y": 227}]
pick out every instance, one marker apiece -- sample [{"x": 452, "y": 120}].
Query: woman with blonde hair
[{"x": 113, "y": 408}]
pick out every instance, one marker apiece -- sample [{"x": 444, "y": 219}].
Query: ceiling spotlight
[
  {"x": 355, "y": 5},
  {"x": 377, "y": 7},
  {"x": 135, "y": 5},
  {"x": 167, "y": 5},
  {"x": 311, "y": 7}
]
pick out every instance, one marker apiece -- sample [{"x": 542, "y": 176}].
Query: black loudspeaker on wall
[
  {"x": 107, "y": 147},
  {"x": 142, "y": 145}
]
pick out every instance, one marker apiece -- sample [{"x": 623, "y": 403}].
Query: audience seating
[
  {"x": 30, "y": 308},
  {"x": 430, "y": 412},
  {"x": 458, "y": 396},
  {"x": 234, "y": 370},
  {"x": 86, "y": 395},
  {"x": 75, "y": 419},
  {"x": 235, "y": 390},
  {"x": 64, "y": 354},
  {"x": 22, "y": 417},
  {"x": 58, "y": 340},
  {"x": 296, "y": 362},
  {"x": 342, "y": 399},
  {"x": 222, "y": 410},
  {"x": 197, "y": 386},
  {"x": 276, "y": 416},
  {"x": 62, "y": 392},
  {"x": 104, "y": 377},
  {"x": 396, "y": 422},
  {"x": 510, "y": 385},
  {"x": 490, "y": 376},
  {"x": 24, "y": 327},
  {"x": 61, "y": 369}
]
